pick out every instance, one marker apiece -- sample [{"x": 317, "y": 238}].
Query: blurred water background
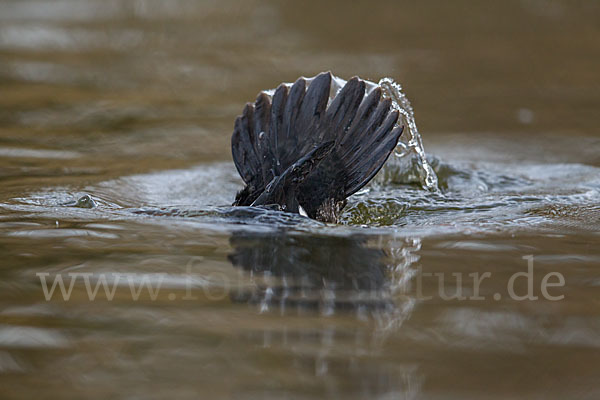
[{"x": 132, "y": 103}]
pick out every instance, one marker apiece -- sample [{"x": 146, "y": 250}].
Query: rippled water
[{"x": 116, "y": 176}]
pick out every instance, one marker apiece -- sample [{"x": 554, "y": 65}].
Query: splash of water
[{"x": 410, "y": 143}]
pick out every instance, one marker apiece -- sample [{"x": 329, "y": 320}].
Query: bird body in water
[{"x": 307, "y": 154}]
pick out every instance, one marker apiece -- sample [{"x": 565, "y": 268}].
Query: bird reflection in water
[{"x": 295, "y": 272}]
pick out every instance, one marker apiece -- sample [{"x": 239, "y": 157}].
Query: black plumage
[{"x": 295, "y": 151}]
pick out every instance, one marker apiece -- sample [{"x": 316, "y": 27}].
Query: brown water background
[{"x": 133, "y": 102}]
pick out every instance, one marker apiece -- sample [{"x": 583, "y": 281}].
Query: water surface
[{"x": 132, "y": 104}]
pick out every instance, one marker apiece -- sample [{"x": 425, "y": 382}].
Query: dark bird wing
[
  {"x": 273, "y": 134},
  {"x": 270, "y": 136},
  {"x": 365, "y": 135},
  {"x": 283, "y": 189}
]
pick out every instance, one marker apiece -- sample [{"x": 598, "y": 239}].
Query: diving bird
[{"x": 307, "y": 154}]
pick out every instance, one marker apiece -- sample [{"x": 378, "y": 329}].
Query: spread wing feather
[{"x": 274, "y": 133}]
